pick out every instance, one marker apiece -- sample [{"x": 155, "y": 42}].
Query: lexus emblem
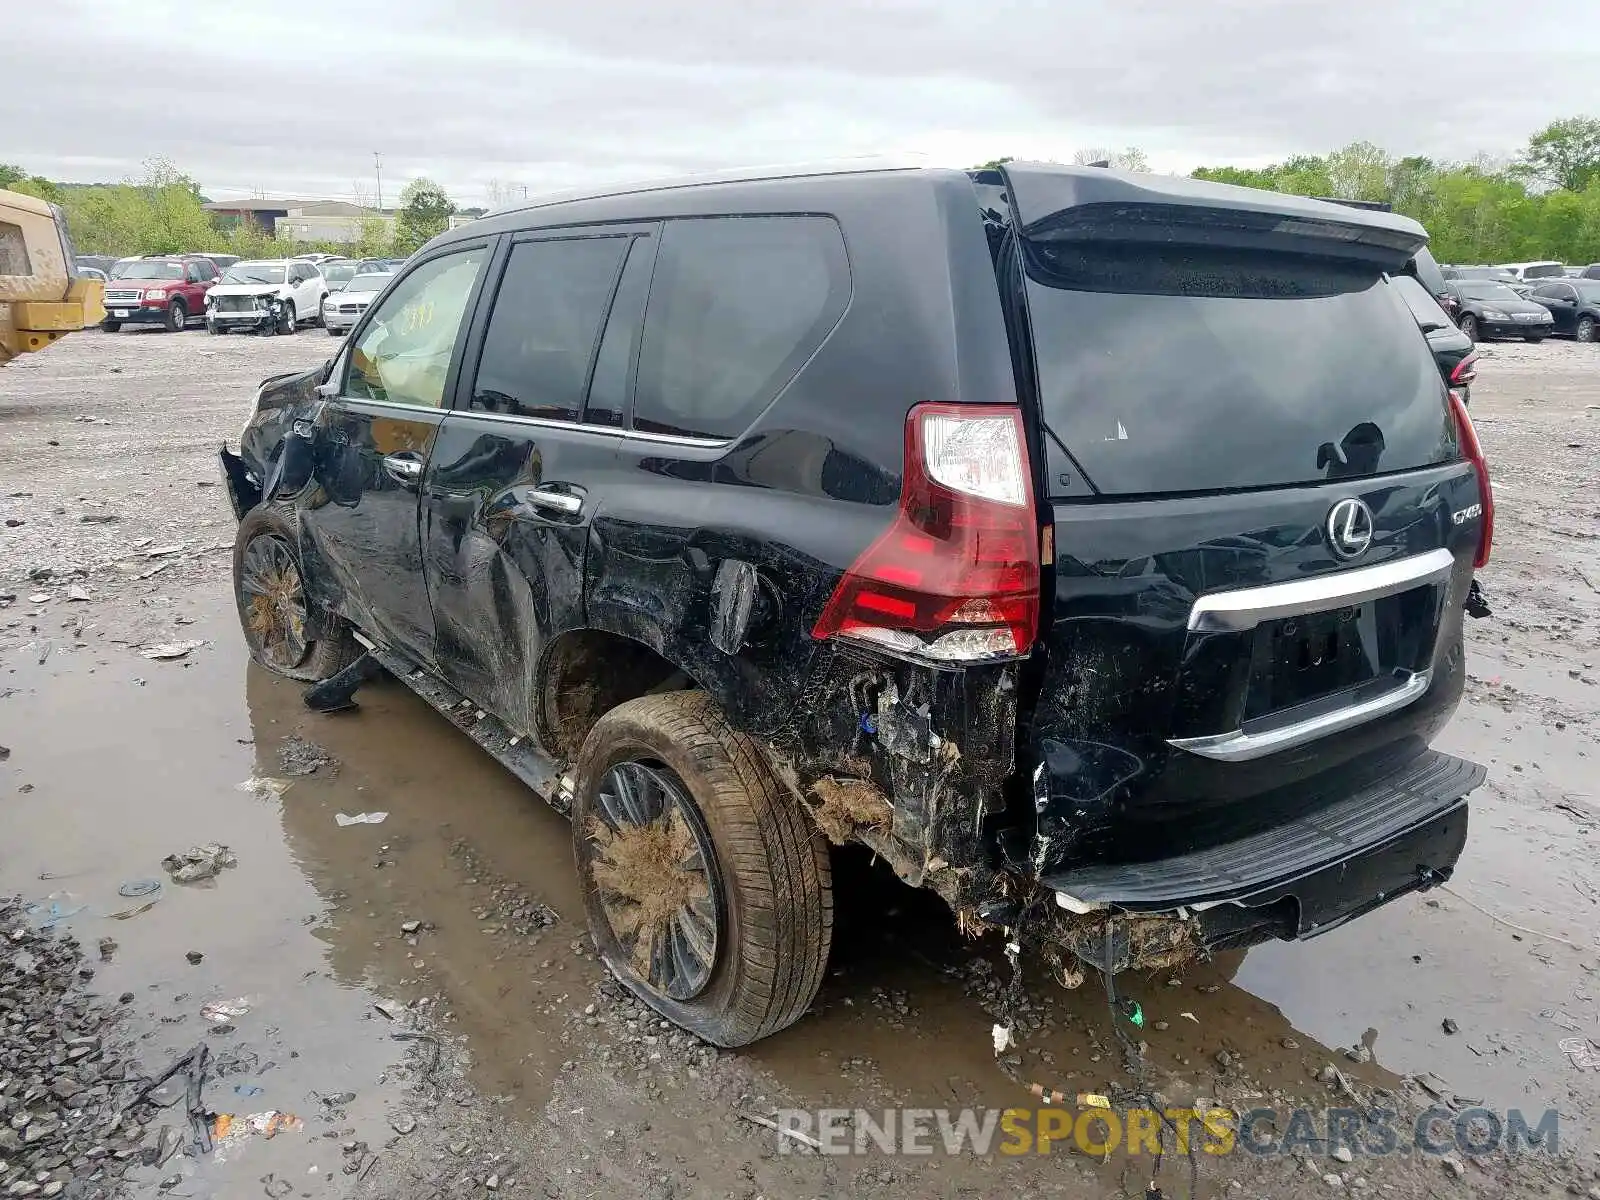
[{"x": 1350, "y": 528}]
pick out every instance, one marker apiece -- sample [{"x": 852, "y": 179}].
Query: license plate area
[{"x": 1308, "y": 656}]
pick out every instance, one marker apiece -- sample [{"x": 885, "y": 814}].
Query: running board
[{"x": 514, "y": 751}]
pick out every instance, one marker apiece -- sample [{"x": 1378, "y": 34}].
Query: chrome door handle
[
  {"x": 561, "y": 502},
  {"x": 403, "y": 467}
]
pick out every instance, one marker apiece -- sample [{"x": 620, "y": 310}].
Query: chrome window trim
[
  {"x": 612, "y": 431},
  {"x": 1242, "y": 609}
]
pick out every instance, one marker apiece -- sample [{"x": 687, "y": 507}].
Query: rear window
[
  {"x": 1545, "y": 271},
  {"x": 1181, "y": 369}
]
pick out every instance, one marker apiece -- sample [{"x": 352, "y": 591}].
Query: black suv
[{"x": 1092, "y": 547}]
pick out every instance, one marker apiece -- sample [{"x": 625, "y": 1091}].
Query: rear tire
[
  {"x": 712, "y": 902},
  {"x": 1469, "y": 326},
  {"x": 1587, "y": 330},
  {"x": 269, "y": 589}
]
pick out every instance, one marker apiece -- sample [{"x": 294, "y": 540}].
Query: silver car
[{"x": 341, "y": 310}]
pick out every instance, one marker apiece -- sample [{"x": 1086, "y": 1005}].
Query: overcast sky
[{"x": 291, "y": 98}]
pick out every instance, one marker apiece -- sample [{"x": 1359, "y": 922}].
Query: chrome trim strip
[
  {"x": 1244, "y": 608},
  {"x": 1239, "y": 746},
  {"x": 632, "y": 435}
]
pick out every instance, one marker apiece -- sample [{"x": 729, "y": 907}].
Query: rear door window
[
  {"x": 545, "y": 325},
  {"x": 1169, "y": 368},
  {"x": 736, "y": 306}
]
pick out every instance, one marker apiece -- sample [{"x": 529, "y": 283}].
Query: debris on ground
[
  {"x": 392, "y": 1009},
  {"x": 366, "y": 818},
  {"x": 1449, "y": 1026},
  {"x": 264, "y": 787},
  {"x": 299, "y": 757},
  {"x": 194, "y": 957},
  {"x": 170, "y": 650},
  {"x": 230, "y": 1132},
  {"x": 218, "y": 1011},
  {"x": 199, "y": 863}
]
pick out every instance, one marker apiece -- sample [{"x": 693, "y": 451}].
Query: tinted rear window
[{"x": 1186, "y": 370}]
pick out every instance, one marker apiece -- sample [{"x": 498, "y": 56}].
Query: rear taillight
[
  {"x": 1472, "y": 449},
  {"x": 955, "y": 577},
  {"x": 1466, "y": 371}
]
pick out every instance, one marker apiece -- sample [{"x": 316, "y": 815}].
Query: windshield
[
  {"x": 1189, "y": 369},
  {"x": 1487, "y": 291},
  {"x": 145, "y": 269},
  {"x": 1589, "y": 289},
  {"x": 338, "y": 272},
  {"x": 254, "y": 272},
  {"x": 369, "y": 283},
  {"x": 1544, "y": 271}
]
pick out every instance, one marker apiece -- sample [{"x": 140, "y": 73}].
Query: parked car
[
  {"x": 1499, "y": 274},
  {"x": 99, "y": 262},
  {"x": 267, "y": 295},
  {"x": 1574, "y": 306},
  {"x": 1531, "y": 271},
  {"x": 1489, "y": 309},
  {"x": 223, "y": 261},
  {"x": 339, "y": 272},
  {"x": 91, "y": 273},
  {"x": 342, "y": 309},
  {"x": 122, "y": 264},
  {"x": 1452, "y": 350},
  {"x": 167, "y": 290},
  {"x": 949, "y": 544},
  {"x": 1592, "y": 271}
]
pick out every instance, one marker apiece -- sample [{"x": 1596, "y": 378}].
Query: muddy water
[{"x": 131, "y": 760}]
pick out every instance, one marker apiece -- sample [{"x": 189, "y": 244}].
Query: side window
[
  {"x": 404, "y": 352},
  {"x": 544, "y": 326},
  {"x": 736, "y": 306},
  {"x": 608, "y": 390}
]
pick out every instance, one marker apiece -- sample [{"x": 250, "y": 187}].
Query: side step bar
[
  {"x": 1428, "y": 786},
  {"x": 513, "y": 751}
]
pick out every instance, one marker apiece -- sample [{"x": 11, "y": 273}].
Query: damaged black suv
[{"x": 1092, "y": 547}]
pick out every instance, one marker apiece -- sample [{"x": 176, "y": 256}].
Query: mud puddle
[{"x": 128, "y": 760}]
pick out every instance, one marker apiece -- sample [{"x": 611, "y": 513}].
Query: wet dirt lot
[{"x": 532, "y": 1073}]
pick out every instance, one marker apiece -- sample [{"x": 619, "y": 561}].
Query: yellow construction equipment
[{"x": 42, "y": 296}]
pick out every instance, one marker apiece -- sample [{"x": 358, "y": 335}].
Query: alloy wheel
[
  {"x": 656, "y": 875},
  {"x": 273, "y": 600}
]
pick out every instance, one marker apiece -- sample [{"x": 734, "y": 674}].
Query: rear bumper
[{"x": 1304, "y": 877}]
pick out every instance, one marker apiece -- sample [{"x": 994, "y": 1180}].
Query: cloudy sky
[{"x": 292, "y": 98}]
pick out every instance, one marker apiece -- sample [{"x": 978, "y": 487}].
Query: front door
[
  {"x": 518, "y": 472},
  {"x": 371, "y": 445}
]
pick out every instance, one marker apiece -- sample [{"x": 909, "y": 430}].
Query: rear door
[
  {"x": 1263, "y": 528},
  {"x": 514, "y": 482},
  {"x": 372, "y": 440},
  {"x": 1562, "y": 301}
]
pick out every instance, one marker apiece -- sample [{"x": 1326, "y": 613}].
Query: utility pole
[{"x": 377, "y": 165}]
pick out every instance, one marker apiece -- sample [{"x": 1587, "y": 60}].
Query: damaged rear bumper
[{"x": 1296, "y": 880}]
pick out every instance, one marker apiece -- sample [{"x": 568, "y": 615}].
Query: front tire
[
  {"x": 1535, "y": 338},
  {"x": 1469, "y": 326},
  {"x": 110, "y": 326},
  {"x": 1587, "y": 330},
  {"x": 177, "y": 317},
  {"x": 274, "y": 612},
  {"x": 707, "y": 888},
  {"x": 288, "y": 318}
]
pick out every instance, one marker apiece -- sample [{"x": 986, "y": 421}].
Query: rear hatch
[{"x": 1264, "y": 523}]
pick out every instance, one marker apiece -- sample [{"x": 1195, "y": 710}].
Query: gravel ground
[{"x": 420, "y": 996}]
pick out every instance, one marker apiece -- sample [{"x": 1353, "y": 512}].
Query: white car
[
  {"x": 266, "y": 294},
  {"x": 342, "y": 310}
]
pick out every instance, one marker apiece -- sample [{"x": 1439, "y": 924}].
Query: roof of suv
[{"x": 1068, "y": 186}]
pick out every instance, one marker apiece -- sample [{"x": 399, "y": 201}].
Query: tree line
[
  {"x": 163, "y": 212},
  {"x": 1542, "y": 203}
]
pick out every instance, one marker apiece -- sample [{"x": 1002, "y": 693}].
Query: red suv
[{"x": 165, "y": 289}]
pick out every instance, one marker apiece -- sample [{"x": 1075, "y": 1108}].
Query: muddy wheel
[
  {"x": 273, "y": 609},
  {"x": 706, "y": 886}
]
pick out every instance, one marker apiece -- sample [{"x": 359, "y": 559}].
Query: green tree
[
  {"x": 1564, "y": 154},
  {"x": 1360, "y": 171},
  {"x": 376, "y": 239},
  {"x": 425, "y": 211},
  {"x": 11, "y": 174}
]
